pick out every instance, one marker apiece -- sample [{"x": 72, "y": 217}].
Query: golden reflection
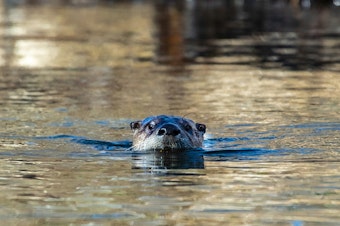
[
  {"x": 253, "y": 192},
  {"x": 53, "y": 37},
  {"x": 35, "y": 54}
]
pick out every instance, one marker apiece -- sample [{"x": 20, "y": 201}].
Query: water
[{"x": 263, "y": 77}]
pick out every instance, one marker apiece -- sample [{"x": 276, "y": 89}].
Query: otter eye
[
  {"x": 187, "y": 127},
  {"x": 151, "y": 126},
  {"x": 201, "y": 127}
]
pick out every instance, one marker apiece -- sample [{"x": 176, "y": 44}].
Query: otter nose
[{"x": 168, "y": 129}]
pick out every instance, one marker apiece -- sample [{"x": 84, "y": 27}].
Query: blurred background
[
  {"x": 219, "y": 61},
  {"x": 272, "y": 33}
]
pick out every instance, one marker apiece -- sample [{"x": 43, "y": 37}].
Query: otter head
[{"x": 165, "y": 132}]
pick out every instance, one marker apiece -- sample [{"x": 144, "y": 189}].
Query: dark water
[{"x": 264, "y": 76}]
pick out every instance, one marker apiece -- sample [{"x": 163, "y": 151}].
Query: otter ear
[
  {"x": 135, "y": 125},
  {"x": 201, "y": 127}
]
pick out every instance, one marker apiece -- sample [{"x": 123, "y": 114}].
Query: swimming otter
[{"x": 166, "y": 132}]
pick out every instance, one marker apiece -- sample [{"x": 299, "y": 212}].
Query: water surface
[{"x": 264, "y": 78}]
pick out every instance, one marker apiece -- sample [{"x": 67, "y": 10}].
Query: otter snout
[{"x": 169, "y": 129}]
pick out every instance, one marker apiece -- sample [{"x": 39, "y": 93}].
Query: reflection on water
[
  {"x": 266, "y": 34},
  {"x": 262, "y": 75}
]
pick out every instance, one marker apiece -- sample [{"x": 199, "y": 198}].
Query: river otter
[{"x": 165, "y": 132}]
